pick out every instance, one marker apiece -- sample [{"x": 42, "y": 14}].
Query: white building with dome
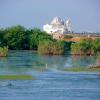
[{"x": 57, "y": 25}]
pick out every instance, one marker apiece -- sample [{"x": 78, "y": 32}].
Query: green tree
[
  {"x": 16, "y": 38},
  {"x": 2, "y": 32},
  {"x": 36, "y": 36}
]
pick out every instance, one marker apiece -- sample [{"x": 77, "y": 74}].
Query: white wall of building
[{"x": 58, "y": 26}]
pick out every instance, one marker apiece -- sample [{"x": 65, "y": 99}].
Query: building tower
[{"x": 69, "y": 25}]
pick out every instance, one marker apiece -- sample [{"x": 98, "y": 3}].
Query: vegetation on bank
[
  {"x": 20, "y": 38},
  {"x": 86, "y": 47},
  {"x": 82, "y": 69},
  {"x": 16, "y": 77},
  {"x": 3, "y": 51},
  {"x": 51, "y": 47}
]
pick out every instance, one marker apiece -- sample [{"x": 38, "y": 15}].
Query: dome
[
  {"x": 57, "y": 21},
  {"x": 68, "y": 25}
]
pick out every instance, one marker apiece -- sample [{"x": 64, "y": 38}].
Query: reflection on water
[
  {"x": 28, "y": 60},
  {"x": 51, "y": 82}
]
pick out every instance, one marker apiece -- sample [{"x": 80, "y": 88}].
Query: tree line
[{"x": 20, "y": 38}]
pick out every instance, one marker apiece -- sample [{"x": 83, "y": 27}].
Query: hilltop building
[{"x": 57, "y": 25}]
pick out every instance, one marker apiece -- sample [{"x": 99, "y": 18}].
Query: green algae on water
[
  {"x": 16, "y": 77},
  {"x": 81, "y": 69}
]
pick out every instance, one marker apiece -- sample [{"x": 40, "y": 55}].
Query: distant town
[{"x": 60, "y": 29}]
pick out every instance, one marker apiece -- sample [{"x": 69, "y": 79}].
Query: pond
[{"x": 51, "y": 82}]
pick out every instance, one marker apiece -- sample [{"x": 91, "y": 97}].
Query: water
[{"x": 51, "y": 82}]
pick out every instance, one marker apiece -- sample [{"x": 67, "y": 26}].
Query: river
[{"x": 52, "y": 82}]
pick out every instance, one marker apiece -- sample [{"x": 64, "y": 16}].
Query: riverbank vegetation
[
  {"x": 86, "y": 47},
  {"x": 82, "y": 69},
  {"x": 20, "y": 38},
  {"x": 51, "y": 47},
  {"x": 3, "y": 51},
  {"x": 16, "y": 77}
]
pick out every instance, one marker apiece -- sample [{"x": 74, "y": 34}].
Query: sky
[{"x": 84, "y": 14}]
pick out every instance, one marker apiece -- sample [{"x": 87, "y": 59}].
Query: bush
[
  {"x": 51, "y": 47},
  {"x": 3, "y": 51},
  {"x": 86, "y": 47},
  {"x": 96, "y": 45}
]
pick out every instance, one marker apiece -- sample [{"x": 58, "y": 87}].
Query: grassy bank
[
  {"x": 81, "y": 69},
  {"x": 16, "y": 77}
]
